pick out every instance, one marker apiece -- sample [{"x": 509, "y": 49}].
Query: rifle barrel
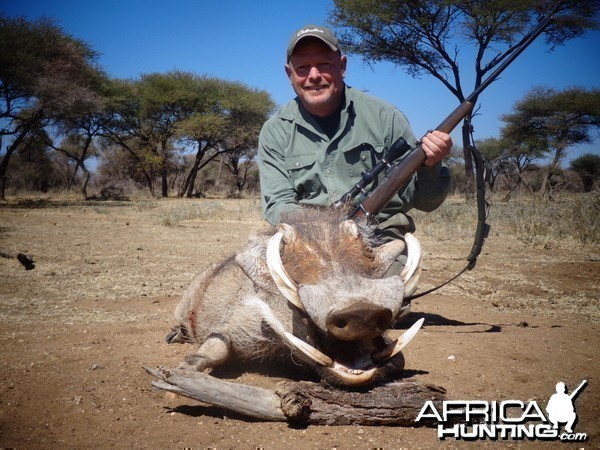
[
  {"x": 576, "y": 391},
  {"x": 400, "y": 173},
  {"x": 522, "y": 46}
]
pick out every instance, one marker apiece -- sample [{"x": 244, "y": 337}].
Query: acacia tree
[
  {"x": 555, "y": 121},
  {"x": 521, "y": 151},
  {"x": 141, "y": 117},
  {"x": 239, "y": 163},
  {"x": 44, "y": 73},
  {"x": 588, "y": 168},
  {"x": 77, "y": 148},
  {"x": 230, "y": 126},
  {"x": 425, "y": 37},
  {"x": 160, "y": 116},
  {"x": 33, "y": 166},
  {"x": 203, "y": 130},
  {"x": 121, "y": 124}
]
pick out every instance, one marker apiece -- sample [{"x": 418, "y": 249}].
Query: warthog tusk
[
  {"x": 309, "y": 351},
  {"x": 395, "y": 347},
  {"x": 412, "y": 270},
  {"x": 282, "y": 280},
  {"x": 295, "y": 343}
]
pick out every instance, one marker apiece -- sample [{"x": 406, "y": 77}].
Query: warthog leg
[{"x": 213, "y": 352}]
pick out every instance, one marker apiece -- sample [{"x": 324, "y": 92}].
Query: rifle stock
[{"x": 401, "y": 173}]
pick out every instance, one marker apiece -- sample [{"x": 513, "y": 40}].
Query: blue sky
[{"x": 246, "y": 41}]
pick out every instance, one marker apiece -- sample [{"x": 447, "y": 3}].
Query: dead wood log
[
  {"x": 248, "y": 400},
  {"x": 306, "y": 403},
  {"x": 25, "y": 260},
  {"x": 396, "y": 403}
]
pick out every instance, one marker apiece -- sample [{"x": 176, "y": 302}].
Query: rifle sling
[{"x": 483, "y": 228}]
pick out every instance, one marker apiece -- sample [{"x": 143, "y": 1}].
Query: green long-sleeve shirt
[{"x": 300, "y": 164}]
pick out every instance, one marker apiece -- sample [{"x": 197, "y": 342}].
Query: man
[{"x": 314, "y": 149}]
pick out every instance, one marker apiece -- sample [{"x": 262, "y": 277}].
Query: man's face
[{"x": 317, "y": 76}]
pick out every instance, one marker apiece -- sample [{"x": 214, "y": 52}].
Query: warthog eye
[{"x": 340, "y": 323}]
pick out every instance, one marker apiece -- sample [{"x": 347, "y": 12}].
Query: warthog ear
[
  {"x": 386, "y": 254},
  {"x": 288, "y": 233},
  {"x": 252, "y": 259}
]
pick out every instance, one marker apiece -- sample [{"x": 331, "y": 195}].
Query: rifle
[
  {"x": 399, "y": 174},
  {"x": 576, "y": 391}
]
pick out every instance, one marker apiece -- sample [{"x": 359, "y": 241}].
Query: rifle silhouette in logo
[{"x": 560, "y": 406}]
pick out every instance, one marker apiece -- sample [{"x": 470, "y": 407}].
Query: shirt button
[
  {"x": 363, "y": 157},
  {"x": 297, "y": 164}
]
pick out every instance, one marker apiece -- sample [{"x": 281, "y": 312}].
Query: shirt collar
[{"x": 295, "y": 112}]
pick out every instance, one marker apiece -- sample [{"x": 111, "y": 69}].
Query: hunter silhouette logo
[
  {"x": 560, "y": 406},
  {"x": 507, "y": 419}
]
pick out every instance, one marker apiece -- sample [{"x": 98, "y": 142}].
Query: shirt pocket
[
  {"x": 362, "y": 158},
  {"x": 303, "y": 171}
]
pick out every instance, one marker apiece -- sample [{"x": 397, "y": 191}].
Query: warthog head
[
  {"x": 333, "y": 273},
  {"x": 315, "y": 286}
]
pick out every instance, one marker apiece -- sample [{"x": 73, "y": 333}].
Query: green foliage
[
  {"x": 555, "y": 119},
  {"x": 40, "y": 62},
  {"x": 160, "y": 117},
  {"x": 46, "y": 77},
  {"x": 588, "y": 168},
  {"x": 424, "y": 37}
]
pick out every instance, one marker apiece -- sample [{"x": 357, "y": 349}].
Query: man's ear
[
  {"x": 288, "y": 70},
  {"x": 343, "y": 62}
]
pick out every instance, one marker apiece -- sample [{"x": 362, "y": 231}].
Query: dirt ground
[{"x": 76, "y": 331}]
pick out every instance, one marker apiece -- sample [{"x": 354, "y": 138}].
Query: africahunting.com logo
[{"x": 509, "y": 419}]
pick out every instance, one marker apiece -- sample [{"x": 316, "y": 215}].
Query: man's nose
[{"x": 314, "y": 73}]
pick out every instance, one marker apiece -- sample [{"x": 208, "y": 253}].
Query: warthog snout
[{"x": 360, "y": 320}]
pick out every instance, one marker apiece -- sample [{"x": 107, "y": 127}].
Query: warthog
[{"x": 314, "y": 288}]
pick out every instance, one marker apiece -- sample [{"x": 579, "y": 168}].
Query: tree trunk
[
  {"x": 164, "y": 177},
  {"x": 86, "y": 180},
  {"x": 190, "y": 180},
  {"x": 10, "y": 149},
  {"x": 545, "y": 189},
  {"x": 218, "y": 179},
  {"x": 306, "y": 403},
  {"x": 4, "y": 169}
]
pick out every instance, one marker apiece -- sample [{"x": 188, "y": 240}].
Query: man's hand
[{"x": 437, "y": 146}]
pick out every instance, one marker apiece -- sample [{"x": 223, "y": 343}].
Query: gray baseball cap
[{"x": 318, "y": 31}]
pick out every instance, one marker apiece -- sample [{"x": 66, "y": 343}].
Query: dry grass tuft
[{"x": 573, "y": 220}]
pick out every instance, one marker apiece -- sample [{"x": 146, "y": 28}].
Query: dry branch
[
  {"x": 25, "y": 260},
  {"x": 304, "y": 402},
  {"x": 248, "y": 400}
]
